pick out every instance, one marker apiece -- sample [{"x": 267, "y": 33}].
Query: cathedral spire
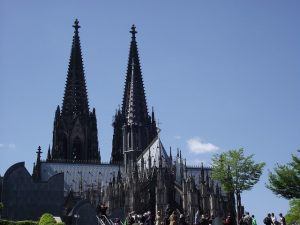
[
  {"x": 134, "y": 105},
  {"x": 75, "y": 100},
  {"x": 134, "y": 128},
  {"x": 75, "y": 133}
]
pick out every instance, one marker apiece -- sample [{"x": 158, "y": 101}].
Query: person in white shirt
[
  {"x": 274, "y": 219},
  {"x": 281, "y": 219}
]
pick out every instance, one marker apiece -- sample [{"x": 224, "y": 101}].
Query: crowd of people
[
  {"x": 174, "y": 217},
  {"x": 270, "y": 219}
]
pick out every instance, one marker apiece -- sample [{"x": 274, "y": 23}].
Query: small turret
[
  {"x": 49, "y": 154},
  {"x": 185, "y": 170},
  {"x": 37, "y": 166}
]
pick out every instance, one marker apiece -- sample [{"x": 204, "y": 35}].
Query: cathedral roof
[
  {"x": 76, "y": 174},
  {"x": 156, "y": 152}
]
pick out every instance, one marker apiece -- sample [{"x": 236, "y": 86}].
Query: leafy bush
[
  {"x": 7, "y": 222},
  {"x": 47, "y": 219}
]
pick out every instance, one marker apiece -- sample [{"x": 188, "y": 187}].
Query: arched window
[{"x": 77, "y": 149}]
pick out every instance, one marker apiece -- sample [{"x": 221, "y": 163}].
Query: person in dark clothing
[
  {"x": 228, "y": 220},
  {"x": 268, "y": 220},
  {"x": 242, "y": 220},
  {"x": 281, "y": 219},
  {"x": 182, "y": 220},
  {"x": 129, "y": 219},
  {"x": 203, "y": 220},
  {"x": 247, "y": 219},
  {"x": 168, "y": 213}
]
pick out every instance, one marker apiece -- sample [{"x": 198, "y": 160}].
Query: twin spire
[
  {"x": 75, "y": 124},
  {"x": 75, "y": 100},
  {"x": 134, "y": 105}
]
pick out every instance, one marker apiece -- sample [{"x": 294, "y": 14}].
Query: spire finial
[
  {"x": 39, "y": 150},
  {"x": 133, "y": 32},
  {"x": 76, "y": 25}
]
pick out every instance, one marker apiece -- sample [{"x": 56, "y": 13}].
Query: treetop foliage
[
  {"x": 235, "y": 171},
  {"x": 293, "y": 215},
  {"x": 285, "y": 180}
]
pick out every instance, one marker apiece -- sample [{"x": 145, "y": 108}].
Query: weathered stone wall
[{"x": 24, "y": 198}]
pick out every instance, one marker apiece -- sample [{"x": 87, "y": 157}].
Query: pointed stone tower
[
  {"x": 134, "y": 128},
  {"x": 75, "y": 135}
]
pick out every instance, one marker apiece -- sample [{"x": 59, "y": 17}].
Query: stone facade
[
  {"x": 157, "y": 185},
  {"x": 25, "y": 198}
]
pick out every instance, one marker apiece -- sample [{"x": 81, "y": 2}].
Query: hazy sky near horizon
[{"x": 220, "y": 74}]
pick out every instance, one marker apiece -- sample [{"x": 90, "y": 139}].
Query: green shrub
[
  {"x": 47, "y": 219},
  {"x": 7, "y": 222},
  {"x": 25, "y": 222}
]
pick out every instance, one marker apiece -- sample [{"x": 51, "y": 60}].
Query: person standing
[
  {"x": 254, "y": 220},
  {"x": 197, "y": 218},
  {"x": 228, "y": 220},
  {"x": 247, "y": 219},
  {"x": 168, "y": 212},
  {"x": 242, "y": 220},
  {"x": 182, "y": 220},
  {"x": 274, "y": 219},
  {"x": 268, "y": 220},
  {"x": 281, "y": 219},
  {"x": 173, "y": 219},
  {"x": 158, "y": 219}
]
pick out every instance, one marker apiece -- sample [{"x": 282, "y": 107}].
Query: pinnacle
[
  {"x": 133, "y": 32},
  {"x": 75, "y": 101},
  {"x": 134, "y": 104},
  {"x": 76, "y": 25}
]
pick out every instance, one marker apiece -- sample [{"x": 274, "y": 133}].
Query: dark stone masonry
[{"x": 24, "y": 198}]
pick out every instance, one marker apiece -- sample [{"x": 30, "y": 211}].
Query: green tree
[
  {"x": 285, "y": 180},
  {"x": 244, "y": 172},
  {"x": 293, "y": 215}
]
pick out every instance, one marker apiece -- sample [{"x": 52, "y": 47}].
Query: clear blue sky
[{"x": 220, "y": 75}]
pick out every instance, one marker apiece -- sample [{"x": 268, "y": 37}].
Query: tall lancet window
[{"x": 77, "y": 146}]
